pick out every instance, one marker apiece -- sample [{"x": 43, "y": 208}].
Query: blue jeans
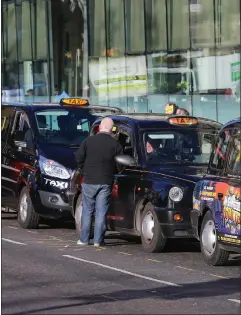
[{"x": 95, "y": 198}]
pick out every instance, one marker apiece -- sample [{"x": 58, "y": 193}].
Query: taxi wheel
[
  {"x": 78, "y": 216},
  {"x": 213, "y": 254},
  {"x": 152, "y": 237},
  {"x": 27, "y": 217}
]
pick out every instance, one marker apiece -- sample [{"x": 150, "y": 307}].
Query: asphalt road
[{"x": 44, "y": 271}]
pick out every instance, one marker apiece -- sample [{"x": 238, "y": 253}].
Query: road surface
[{"x": 44, "y": 271}]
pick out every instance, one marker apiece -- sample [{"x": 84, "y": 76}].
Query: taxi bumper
[{"x": 172, "y": 228}]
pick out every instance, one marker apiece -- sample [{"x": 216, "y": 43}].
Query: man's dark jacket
[{"x": 96, "y": 159}]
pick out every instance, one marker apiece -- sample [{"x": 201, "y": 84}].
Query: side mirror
[
  {"x": 125, "y": 160},
  {"x": 18, "y": 138}
]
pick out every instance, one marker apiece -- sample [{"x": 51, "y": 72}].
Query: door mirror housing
[
  {"x": 20, "y": 144},
  {"x": 19, "y": 141},
  {"x": 18, "y": 135},
  {"x": 125, "y": 160}
]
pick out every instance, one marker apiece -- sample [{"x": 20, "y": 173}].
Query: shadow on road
[
  {"x": 190, "y": 290},
  {"x": 8, "y": 216}
]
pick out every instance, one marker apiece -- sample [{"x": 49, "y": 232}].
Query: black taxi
[
  {"x": 215, "y": 217},
  {"x": 37, "y": 150},
  {"x": 164, "y": 156}
]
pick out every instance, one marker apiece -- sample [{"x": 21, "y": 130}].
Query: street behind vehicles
[
  {"x": 164, "y": 156},
  {"x": 38, "y": 146},
  {"x": 216, "y": 200}
]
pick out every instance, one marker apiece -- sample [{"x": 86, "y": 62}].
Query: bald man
[{"x": 96, "y": 160}]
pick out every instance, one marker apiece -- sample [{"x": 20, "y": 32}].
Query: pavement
[{"x": 44, "y": 271}]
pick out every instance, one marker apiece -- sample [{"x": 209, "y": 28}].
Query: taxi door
[
  {"x": 16, "y": 158},
  {"x": 121, "y": 214},
  {"x": 227, "y": 186},
  {"x": 7, "y": 118},
  {"x": 229, "y": 191}
]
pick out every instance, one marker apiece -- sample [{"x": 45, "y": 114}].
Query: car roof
[
  {"x": 43, "y": 106},
  {"x": 232, "y": 122},
  {"x": 150, "y": 119}
]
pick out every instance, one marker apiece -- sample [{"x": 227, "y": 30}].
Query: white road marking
[
  {"x": 234, "y": 300},
  {"x": 12, "y": 227},
  {"x": 33, "y": 232},
  {"x": 11, "y": 241},
  {"x": 123, "y": 271}
]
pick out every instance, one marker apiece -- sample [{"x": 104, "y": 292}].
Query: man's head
[
  {"x": 56, "y": 90},
  {"x": 171, "y": 108},
  {"x": 150, "y": 145},
  {"x": 30, "y": 92},
  {"x": 106, "y": 125},
  {"x": 182, "y": 111}
]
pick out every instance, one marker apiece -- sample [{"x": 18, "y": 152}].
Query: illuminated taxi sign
[
  {"x": 74, "y": 101},
  {"x": 183, "y": 120},
  {"x": 170, "y": 108}
]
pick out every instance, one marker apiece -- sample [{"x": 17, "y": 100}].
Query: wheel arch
[
  {"x": 138, "y": 212},
  {"x": 200, "y": 220},
  {"x": 74, "y": 202}
]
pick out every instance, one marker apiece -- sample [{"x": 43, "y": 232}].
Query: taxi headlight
[
  {"x": 176, "y": 194},
  {"x": 53, "y": 169}
]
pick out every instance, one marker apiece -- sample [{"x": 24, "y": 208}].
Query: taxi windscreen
[
  {"x": 64, "y": 126},
  {"x": 181, "y": 145}
]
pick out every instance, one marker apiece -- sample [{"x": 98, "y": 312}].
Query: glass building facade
[{"x": 133, "y": 54}]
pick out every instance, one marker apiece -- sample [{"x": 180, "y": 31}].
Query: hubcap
[
  {"x": 148, "y": 227},
  {"x": 209, "y": 238},
  {"x": 24, "y": 207}
]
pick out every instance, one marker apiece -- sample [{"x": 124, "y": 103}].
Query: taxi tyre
[
  {"x": 27, "y": 217},
  {"x": 78, "y": 216},
  {"x": 219, "y": 257},
  {"x": 158, "y": 241}
]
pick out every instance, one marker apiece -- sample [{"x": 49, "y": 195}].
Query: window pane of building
[
  {"x": 11, "y": 41},
  {"x": 26, "y": 32},
  {"x": 135, "y": 12},
  {"x": 41, "y": 21},
  {"x": 97, "y": 25},
  {"x": 115, "y": 27},
  {"x": 202, "y": 23},
  {"x": 227, "y": 23},
  {"x": 178, "y": 24},
  {"x": 158, "y": 24}
]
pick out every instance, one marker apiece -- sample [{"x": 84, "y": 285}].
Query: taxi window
[
  {"x": 125, "y": 139},
  {"x": 219, "y": 157},
  {"x": 179, "y": 145},
  {"x": 67, "y": 126},
  {"x": 234, "y": 164}
]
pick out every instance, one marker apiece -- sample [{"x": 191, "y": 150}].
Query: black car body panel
[
  {"x": 144, "y": 182},
  {"x": 23, "y": 166}
]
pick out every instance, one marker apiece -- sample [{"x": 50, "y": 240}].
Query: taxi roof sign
[
  {"x": 182, "y": 120},
  {"x": 74, "y": 101}
]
